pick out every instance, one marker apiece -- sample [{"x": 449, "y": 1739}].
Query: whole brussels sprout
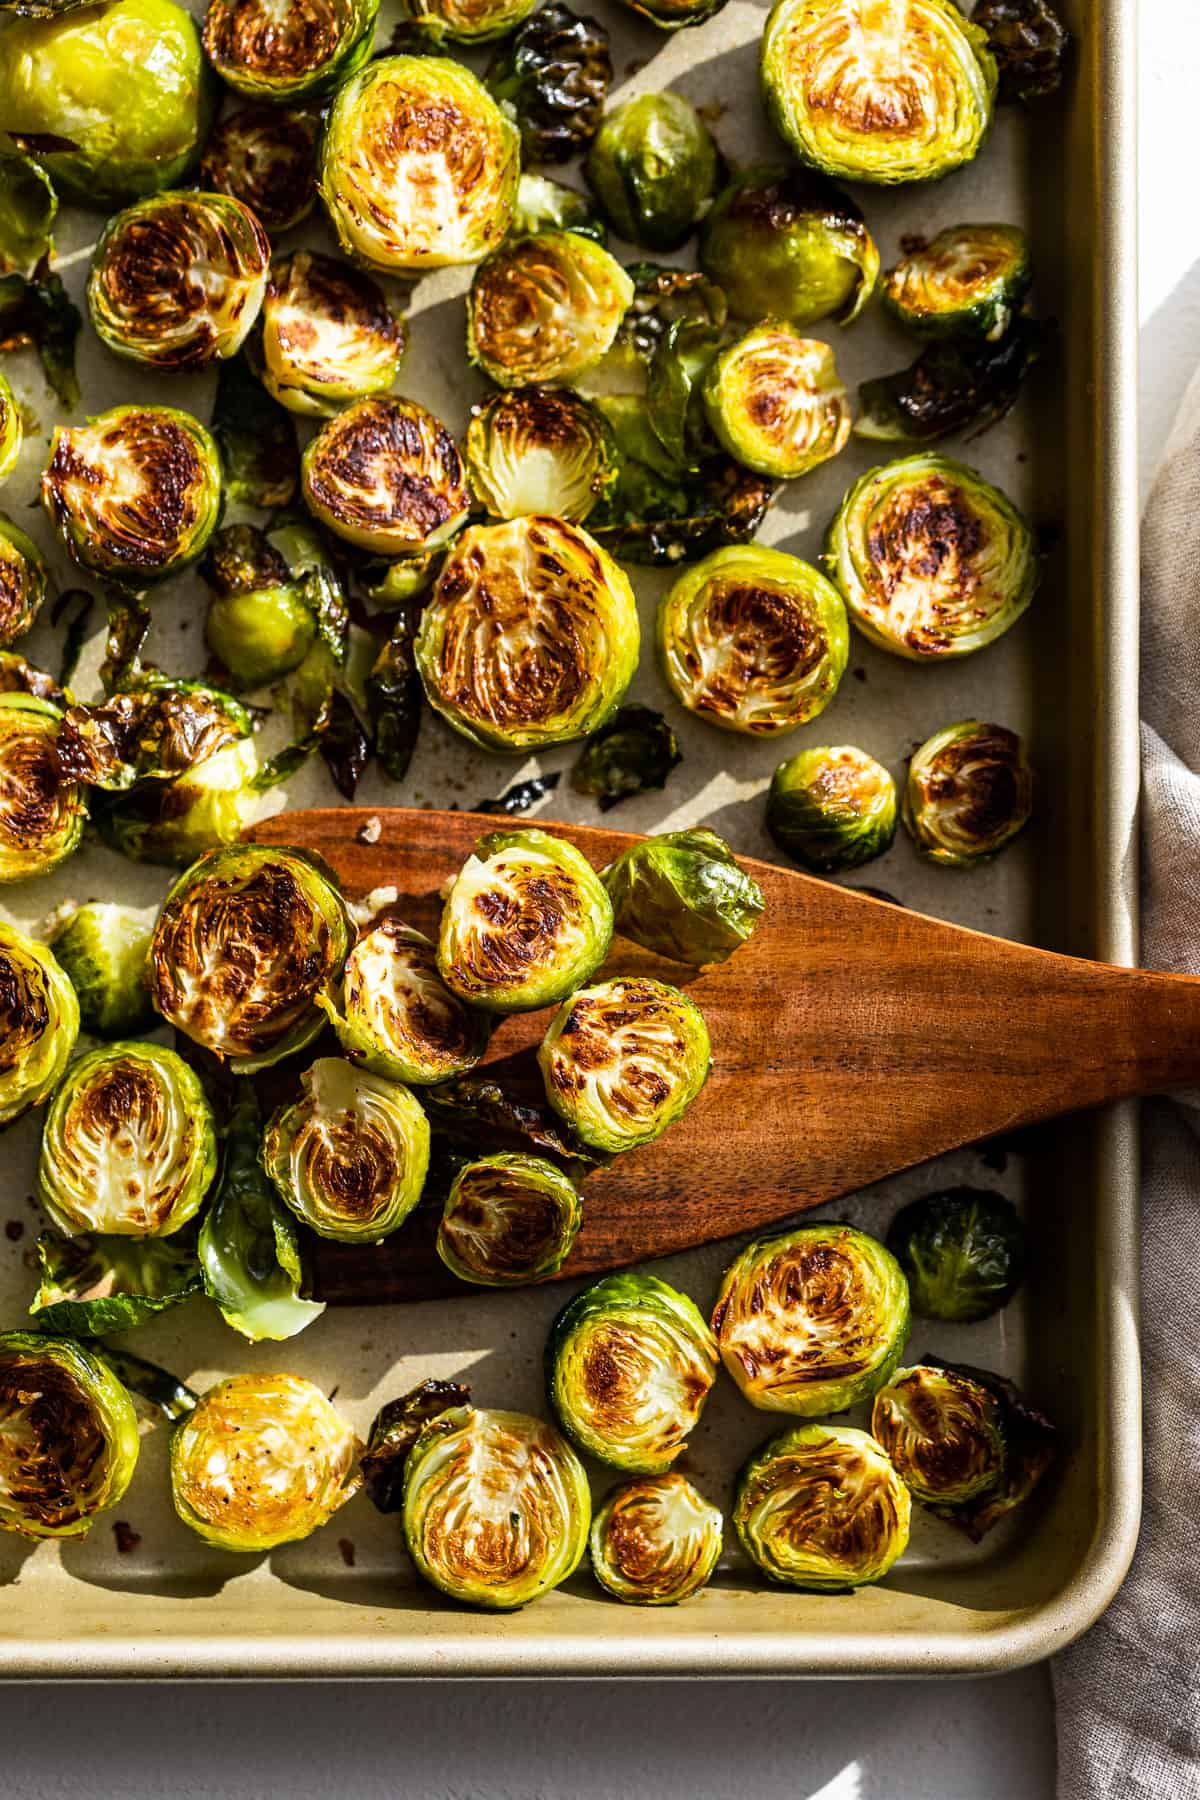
[
  {"x": 545, "y": 308},
  {"x": 276, "y": 594},
  {"x": 496, "y": 1507},
  {"x": 969, "y": 792},
  {"x": 328, "y": 334},
  {"x": 526, "y": 921},
  {"x": 39, "y": 1023},
  {"x": 395, "y": 1015},
  {"x": 530, "y": 637},
  {"x": 11, "y": 433},
  {"x": 465, "y": 21},
  {"x": 969, "y": 279},
  {"x": 124, "y": 88},
  {"x": 266, "y": 157},
  {"x": 787, "y": 244},
  {"x": 262, "y": 1460},
  {"x": 302, "y": 51},
  {"x": 820, "y": 1507},
  {"x": 540, "y": 450},
  {"x": 508, "y": 1220},
  {"x": 905, "y": 94},
  {"x": 24, "y": 581},
  {"x": 103, "y": 948},
  {"x": 655, "y": 1541},
  {"x": 418, "y": 165},
  {"x": 93, "y": 1286},
  {"x": 931, "y": 559},
  {"x": 68, "y": 1436},
  {"x": 386, "y": 476},
  {"x": 654, "y": 167},
  {"x": 832, "y": 808},
  {"x": 775, "y": 400},
  {"x": 42, "y": 810},
  {"x": 962, "y": 1250},
  {"x": 683, "y": 895},
  {"x": 629, "y": 1366},
  {"x": 552, "y": 77},
  {"x": 129, "y": 1147},
  {"x": 753, "y": 640},
  {"x": 1029, "y": 42},
  {"x": 812, "y": 1320}
]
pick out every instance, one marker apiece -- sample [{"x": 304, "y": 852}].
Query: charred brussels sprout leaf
[
  {"x": 820, "y": 1507},
  {"x": 634, "y": 753},
  {"x": 683, "y": 517},
  {"x": 474, "y": 1112},
  {"x": 546, "y": 205},
  {"x": 683, "y": 895},
  {"x": 12, "y": 430},
  {"x": 786, "y": 243},
  {"x": 394, "y": 1430},
  {"x": 266, "y": 157},
  {"x": 629, "y": 1366},
  {"x": 654, "y": 168},
  {"x": 553, "y": 77},
  {"x": 466, "y": 21},
  {"x": 951, "y": 386},
  {"x": 301, "y": 52},
  {"x": 27, "y": 211},
  {"x": 152, "y": 733},
  {"x": 42, "y": 810},
  {"x": 508, "y": 1220},
  {"x": 24, "y": 581},
  {"x": 394, "y": 697},
  {"x": 675, "y": 393},
  {"x": 39, "y": 1023},
  {"x": 103, "y": 947},
  {"x": 39, "y": 313},
  {"x": 545, "y": 308},
  {"x": 260, "y": 457},
  {"x": 775, "y": 401},
  {"x": 832, "y": 808},
  {"x": 68, "y": 1436},
  {"x": 386, "y": 476},
  {"x": 395, "y": 1015},
  {"x": 963, "y": 1252},
  {"x": 540, "y": 450},
  {"x": 813, "y": 1320},
  {"x": 1029, "y": 42},
  {"x": 655, "y": 1541},
  {"x": 20, "y": 677},
  {"x": 968, "y": 281},
  {"x": 518, "y": 798},
  {"x": 328, "y": 334},
  {"x": 161, "y": 1394},
  {"x": 969, "y": 792},
  {"x": 91, "y": 1286}
]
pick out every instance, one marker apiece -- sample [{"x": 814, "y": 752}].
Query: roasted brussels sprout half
[
  {"x": 418, "y": 165},
  {"x": 39, "y": 1023},
  {"x": 655, "y": 1541},
  {"x": 28, "y": 208},
  {"x": 328, "y": 334},
  {"x": 962, "y": 1250},
  {"x": 683, "y": 895},
  {"x": 821, "y": 1507},
  {"x": 508, "y": 1220},
  {"x": 386, "y": 476},
  {"x": 68, "y": 1436},
  {"x": 552, "y": 77},
  {"x": 545, "y": 308},
  {"x": 654, "y": 168},
  {"x": 931, "y": 560},
  {"x": 395, "y": 1429},
  {"x": 540, "y": 450},
  {"x": 103, "y": 947},
  {"x": 753, "y": 640},
  {"x": 262, "y": 1460},
  {"x": 395, "y": 1015},
  {"x": 245, "y": 940},
  {"x": 526, "y": 921},
  {"x": 531, "y": 635},
  {"x": 832, "y": 808},
  {"x": 902, "y": 93},
  {"x": 673, "y": 15},
  {"x": 787, "y": 244},
  {"x": 954, "y": 384},
  {"x": 629, "y": 1366},
  {"x": 24, "y": 581},
  {"x": 545, "y": 205},
  {"x": 775, "y": 400},
  {"x": 969, "y": 280},
  {"x": 266, "y": 157},
  {"x": 466, "y": 21},
  {"x": 969, "y": 792},
  {"x": 300, "y": 52},
  {"x": 1029, "y": 42},
  {"x": 812, "y": 1320},
  {"x": 634, "y": 753},
  {"x": 496, "y": 1507},
  {"x": 42, "y": 810},
  {"x": 12, "y": 431},
  {"x": 95, "y": 1286}
]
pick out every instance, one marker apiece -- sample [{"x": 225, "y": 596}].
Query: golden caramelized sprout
[
  {"x": 328, "y": 334},
  {"x": 396, "y": 1016},
  {"x": 655, "y": 1541},
  {"x": 39, "y": 1023},
  {"x": 386, "y": 476},
  {"x": 299, "y": 51},
  {"x": 832, "y": 808},
  {"x": 68, "y": 1436},
  {"x": 42, "y": 809},
  {"x": 969, "y": 792},
  {"x": 775, "y": 401},
  {"x": 821, "y": 1507},
  {"x": 509, "y": 1219},
  {"x": 24, "y": 580},
  {"x": 266, "y": 157},
  {"x": 943, "y": 1433},
  {"x": 540, "y": 450},
  {"x": 968, "y": 279},
  {"x": 545, "y": 308}
]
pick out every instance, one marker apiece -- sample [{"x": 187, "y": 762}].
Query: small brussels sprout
[
  {"x": 552, "y": 77},
  {"x": 969, "y": 792},
  {"x": 262, "y": 1460},
  {"x": 276, "y": 594},
  {"x": 418, "y": 165},
  {"x": 1029, "y": 42},
  {"x": 245, "y": 940},
  {"x": 545, "y": 205},
  {"x": 812, "y": 1320},
  {"x": 775, "y": 400},
  {"x": 931, "y": 560},
  {"x": 629, "y": 1366},
  {"x": 683, "y": 895},
  {"x": 540, "y": 450},
  {"x": 328, "y": 334},
  {"x": 39, "y": 1016},
  {"x": 654, "y": 168},
  {"x": 832, "y": 808},
  {"x": 496, "y": 1507},
  {"x": 820, "y": 1507},
  {"x": 655, "y": 1541},
  {"x": 968, "y": 280},
  {"x": 266, "y": 157},
  {"x": 103, "y": 948},
  {"x": 386, "y": 476},
  {"x": 300, "y": 52},
  {"x": 28, "y": 208},
  {"x": 42, "y": 810},
  {"x": 526, "y": 922},
  {"x": 68, "y": 1436},
  {"x": 545, "y": 308},
  {"x": 95, "y": 1286},
  {"x": 903, "y": 95},
  {"x": 261, "y": 635},
  {"x": 963, "y": 1252},
  {"x": 954, "y": 384},
  {"x": 674, "y": 15},
  {"x": 24, "y": 581},
  {"x": 12, "y": 431},
  {"x": 465, "y": 21},
  {"x": 395, "y": 1015},
  {"x": 508, "y": 1220},
  {"x": 531, "y": 635},
  {"x": 787, "y": 244},
  {"x": 753, "y": 640},
  {"x": 633, "y": 754}
]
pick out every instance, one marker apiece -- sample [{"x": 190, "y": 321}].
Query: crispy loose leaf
[
  {"x": 148, "y": 1381},
  {"x": 394, "y": 1430},
  {"x": 395, "y": 698},
  {"x": 92, "y": 1285},
  {"x": 75, "y": 606},
  {"x": 954, "y": 384},
  {"x": 633, "y": 753},
  {"x": 260, "y": 454},
  {"x": 476, "y": 1111},
  {"x": 27, "y": 209},
  {"x": 39, "y": 313},
  {"x": 1029, "y": 42},
  {"x": 521, "y": 795}
]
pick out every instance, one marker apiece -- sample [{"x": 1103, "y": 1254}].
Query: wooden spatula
[{"x": 851, "y": 1039}]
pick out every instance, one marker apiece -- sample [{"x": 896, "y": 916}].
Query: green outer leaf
[
  {"x": 40, "y": 313},
  {"x": 28, "y": 205},
  {"x": 173, "y": 1398},
  {"x": 93, "y": 1285},
  {"x": 260, "y": 453}
]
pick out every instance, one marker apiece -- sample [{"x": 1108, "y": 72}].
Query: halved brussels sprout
[
  {"x": 526, "y": 921},
  {"x": 386, "y": 476},
  {"x": 832, "y": 808},
  {"x": 328, "y": 334},
  {"x": 171, "y": 823},
  {"x": 531, "y": 635},
  {"x": 812, "y": 1320},
  {"x": 775, "y": 400},
  {"x": 820, "y": 1507},
  {"x": 418, "y": 165},
  {"x": 955, "y": 384},
  {"x": 673, "y": 15},
  {"x": 103, "y": 948},
  {"x": 633, "y": 754},
  {"x": 42, "y": 810},
  {"x": 1029, "y": 42},
  {"x": 962, "y": 1250},
  {"x": 968, "y": 279},
  {"x": 787, "y": 244},
  {"x": 135, "y": 494},
  {"x": 262, "y": 1460},
  {"x": 96, "y": 1286},
  {"x": 301, "y": 51},
  {"x": 24, "y": 581},
  {"x": 115, "y": 96},
  {"x": 245, "y": 941},
  {"x": 508, "y": 1220},
  {"x": 496, "y": 1507},
  {"x": 540, "y": 450},
  {"x": 177, "y": 280},
  {"x": 552, "y": 77},
  {"x": 931, "y": 559},
  {"x": 28, "y": 209},
  {"x": 753, "y": 640},
  {"x": 654, "y": 167},
  {"x": 266, "y": 157},
  {"x": 545, "y": 205},
  {"x": 395, "y": 1015},
  {"x": 969, "y": 792},
  {"x": 902, "y": 92},
  {"x": 655, "y": 1541},
  {"x": 12, "y": 431},
  {"x": 683, "y": 895},
  {"x": 545, "y": 308},
  {"x": 68, "y": 1436},
  {"x": 465, "y": 21},
  {"x": 629, "y": 1366},
  {"x": 39, "y": 1023}
]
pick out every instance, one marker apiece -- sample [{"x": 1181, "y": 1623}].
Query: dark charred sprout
[
  {"x": 394, "y": 1430},
  {"x": 393, "y": 1013},
  {"x": 24, "y": 581},
  {"x": 832, "y": 808},
  {"x": 820, "y": 1507},
  {"x": 545, "y": 308},
  {"x": 92, "y": 1286},
  {"x": 1029, "y": 42},
  {"x": 508, "y": 1220},
  {"x": 655, "y": 1541},
  {"x": 787, "y": 244},
  {"x": 300, "y": 53},
  {"x": 963, "y": 1251},
  {"x": 654, "y": 168},
  {"x": 633, "y": 754},
  {"x": 546, "y": 205},
  {"x": 266, "y": 157},
  {"x": 328, "y": 334},
  {"x": 42, "y": 808},
  {"x": 540, "y": 450},
  {"x": 969, "y": 792},
  {"x": 968, "y": 281},
  {"x": 552, "y": 77},
  {"x": 103, "y": 948},
  {"x": 955, "y": 385},
  {"x": 522, "y": 795},
  {"x": 39, "y": 1023},
  {"x": 394, "y": 700},
  {"x": 39, "y": 313},
  {"x": 260, "y": 456},
  {"x": 775, "y": 401},
  {"x": 683, "y": 895},
  {"x": 27, "y": 212},
  {"x": 386, "y": 476},
  {"x": 68, "y": 1436}
]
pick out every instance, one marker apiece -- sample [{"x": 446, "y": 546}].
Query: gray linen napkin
[{"x": 1128, "y": 1693}]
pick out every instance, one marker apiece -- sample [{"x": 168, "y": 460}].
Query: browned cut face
[
  {"x": 143, "y": 524},
  {"x": 51, "y": 1442},
  {"x": 38, "y": 800},
  {"x": 276, "y": 44},
  {"x": 387, "y": 465},
  {"x": 24, "y": 1011}
]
